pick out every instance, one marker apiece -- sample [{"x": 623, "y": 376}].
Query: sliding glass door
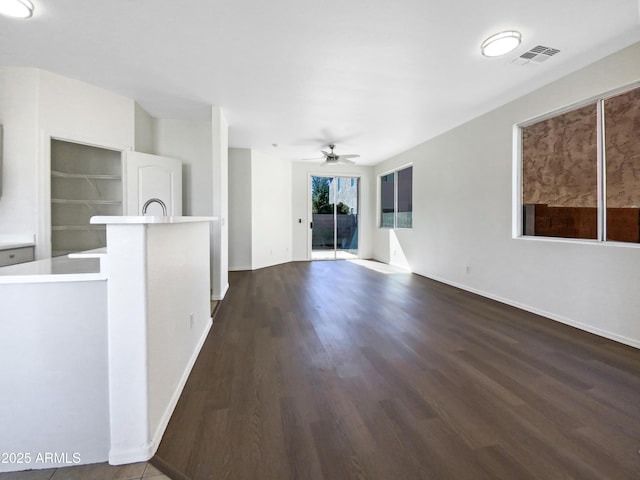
[{"x": 334, "y": 217}]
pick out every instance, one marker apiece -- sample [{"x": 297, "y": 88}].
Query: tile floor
[{"x": 97, "y": 471}]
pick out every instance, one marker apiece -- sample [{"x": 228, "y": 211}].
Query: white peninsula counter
[
  {"x": 158, "y": 292},
  {"x": 53, "y": 362},
  {"x": 95, "y": 350}
]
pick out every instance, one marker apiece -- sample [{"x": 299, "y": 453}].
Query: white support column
[
  {"x": 219, "y": 231},
  {"x": 159, "y": 314},
  {"x": 127, "y": 343}
]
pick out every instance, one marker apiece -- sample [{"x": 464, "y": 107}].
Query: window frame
[
  {"x": 395, "y": 197},
  {"x": 517, "y": 204}
]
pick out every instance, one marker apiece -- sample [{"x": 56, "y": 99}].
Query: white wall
[
  {"x": 463, "y": 210},
  {"x": 201, "y": 146},
  {"x": 301, "y": 201},
  {"x": 35, "y": 105},
  {"x": 54, "y": 373},
  {"x": 271, "y": 210},
  {"x": 259, "y": 210},
  {"x": 76, "y": 110},
  {"x": 159, "y": 316},
  {"x": 240, "y": 195},
  {"x": 179, "y": 313},
  {"x": 19, "y": 117},
  {"x": 144, "y": 131},
  {"x": 38, "y": 105},
  {"x": 190, "y": 142}
]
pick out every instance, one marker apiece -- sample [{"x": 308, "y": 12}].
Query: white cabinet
[
  {"x": 85, "y": 181},
  {"x": 12, "y": 256},
  {"x": 152, "y": 176},
  {"x": 88, "y": 181}
]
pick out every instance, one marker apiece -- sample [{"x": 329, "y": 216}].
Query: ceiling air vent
[{"x": 537, "y": 54}]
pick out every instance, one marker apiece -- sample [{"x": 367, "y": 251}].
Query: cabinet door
[
  {"x": 16, "y": 255},
  {"x": 152, "y": 176}
]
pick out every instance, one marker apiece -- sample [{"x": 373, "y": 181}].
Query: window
[
  {"x": 396, "y": 199},
  {"x": 622, "y": 153},
  {"x": 387, "y": 201},
  {"x": 404, "y": 202},
  {"x": 580, "y": 172},
  {"x": 559, "y": 175}
]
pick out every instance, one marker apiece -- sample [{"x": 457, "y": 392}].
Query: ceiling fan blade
[
  {"x": 309, "y": 159},
  {"x": 350, "y": 155},
  {"x": 326, "y": 154},
  {"x": 345, "y": 161},
  {"x": 324, "y": 164}
]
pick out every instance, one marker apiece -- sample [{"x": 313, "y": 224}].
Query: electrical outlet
[
  {"x": 467, "y": 269},
  {"x": 191, "y": 320}
]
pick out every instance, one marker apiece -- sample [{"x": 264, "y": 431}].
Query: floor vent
[{"x": 537, "y": 54}]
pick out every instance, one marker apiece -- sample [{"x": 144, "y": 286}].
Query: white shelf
[
  {"x": 85, "y": 181},
  {"x": 85, "y": 176},
  {"x": 85, "y": 202},
  {"x": 62, "y": 228}
]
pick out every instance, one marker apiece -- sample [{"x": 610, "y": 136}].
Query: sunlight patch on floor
[
  {"x": 331, "y": 255},
  {"x": 379, "y": 266}
]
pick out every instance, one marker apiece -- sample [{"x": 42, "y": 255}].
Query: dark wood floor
[{"x": 329, "y": 370}]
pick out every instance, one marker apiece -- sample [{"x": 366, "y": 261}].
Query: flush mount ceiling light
[
  {"x": 16, "y": 8},
  {"x": 500, "y": 43}
]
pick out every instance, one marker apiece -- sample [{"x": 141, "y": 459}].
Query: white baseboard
[
  {"x": 148, "y": 450},
  {"x": 164, "y": 421},
  {"x": 237, "y": 268},
  {"x": 132, "y": 455},
  {"x": 221, "y": 295},
  {"x": 558, "y": 318}
]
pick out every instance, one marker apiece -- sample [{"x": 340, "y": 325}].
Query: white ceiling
[{"x": 376, "y": 77}]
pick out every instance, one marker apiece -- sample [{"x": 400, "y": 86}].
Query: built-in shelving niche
[{"x": 85, "y": 181}]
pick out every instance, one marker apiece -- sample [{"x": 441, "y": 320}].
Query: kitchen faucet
[{"x": 154, "y": 200}]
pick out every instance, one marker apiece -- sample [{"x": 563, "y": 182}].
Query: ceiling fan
[{"x": 331, "y": 158}]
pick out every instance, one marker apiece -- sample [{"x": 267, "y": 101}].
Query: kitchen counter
[
  {"x": 146, "y": 220},
  {"x": 54, "y": 360},
  {"x": 78, "y": 267},
  {"x": 106, "y": 340},
  {"x": 8, "y": 242},
  {"x": 10, "y": 245}
]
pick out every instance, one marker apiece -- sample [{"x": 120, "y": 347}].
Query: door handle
[{"x": 310, "y": 224}]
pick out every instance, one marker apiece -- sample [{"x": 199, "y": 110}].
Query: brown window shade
[
  {"x": 622, "y": 149},
  {"x": 560, "y": 175}
]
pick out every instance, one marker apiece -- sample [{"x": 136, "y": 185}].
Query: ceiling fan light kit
[
  {"x": 16, "y": 8},
  {"x": 331, "y": 158}
]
